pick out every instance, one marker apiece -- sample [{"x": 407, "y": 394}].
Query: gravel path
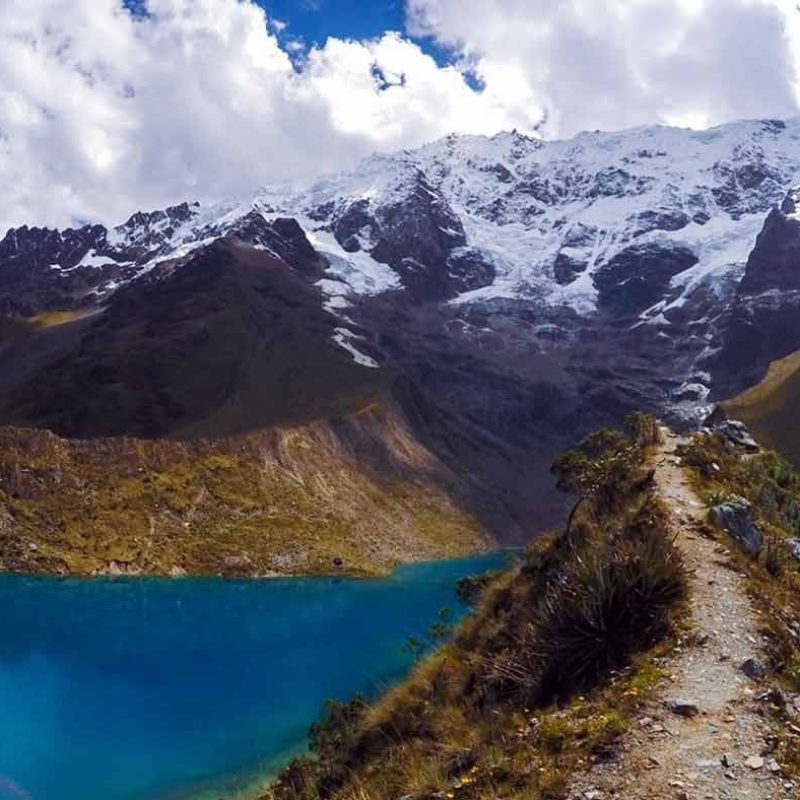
[{"x": 722, "y": 751}]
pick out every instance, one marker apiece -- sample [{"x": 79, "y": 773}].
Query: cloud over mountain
[{"x": 103, "y": 112}]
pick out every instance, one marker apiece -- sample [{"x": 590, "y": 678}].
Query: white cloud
[
  {"x": 618, "y": 63},
  {"x": 102, "y": 114}
]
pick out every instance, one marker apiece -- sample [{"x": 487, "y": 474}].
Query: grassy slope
[
  {"x": 770, "y": 408},
  {"x": 498, "y": 711},
  {"x": 283, "y": 500}
]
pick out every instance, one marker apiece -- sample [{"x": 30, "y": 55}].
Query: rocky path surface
[{"x": 702, "y": 737}]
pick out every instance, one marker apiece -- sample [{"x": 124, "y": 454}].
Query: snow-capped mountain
[
  {"x": 515, "y": 292},
  {"x": 482, "y": 218}
]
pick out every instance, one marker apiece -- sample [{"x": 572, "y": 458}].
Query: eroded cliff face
[
  {"x": 762, "y": 322},
  {"x": 354, "y": 494}
]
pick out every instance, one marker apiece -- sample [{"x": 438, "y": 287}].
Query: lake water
[{"x": 151, "y": 689}]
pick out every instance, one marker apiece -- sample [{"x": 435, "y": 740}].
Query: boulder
[
  {"x": 736, "y": 517},
  {"x": 682, "y": 708},
  {"x": 736, "y": 433},
  {"x": 734, "y": 430},
  {"x": 792, "y": 544},
  {"x": 237, "y": 562},
  {"x": 753, "y": 668}
]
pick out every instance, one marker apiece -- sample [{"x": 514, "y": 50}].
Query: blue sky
[{"x": 313, "y": 21}]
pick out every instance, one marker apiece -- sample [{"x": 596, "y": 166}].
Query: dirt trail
[{"x": 716, "y": 754}]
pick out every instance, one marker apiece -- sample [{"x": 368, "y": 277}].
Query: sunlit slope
[{"x": 772, "y": 407}]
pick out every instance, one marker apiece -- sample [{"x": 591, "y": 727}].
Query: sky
[{"x": 110, "y": 106}]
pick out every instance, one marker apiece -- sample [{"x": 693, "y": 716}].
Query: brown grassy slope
[
  {"x": 771, "y": 407},
  {"x": 283, "y": 500}
]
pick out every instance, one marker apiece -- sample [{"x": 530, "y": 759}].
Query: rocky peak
[
  {"x": 774, "y": 263},
  {"x": 145, "y": 234},
  {"x": 45, "y": 247}
]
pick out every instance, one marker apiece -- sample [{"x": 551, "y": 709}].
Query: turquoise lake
[{"x": 151, "y": 689}]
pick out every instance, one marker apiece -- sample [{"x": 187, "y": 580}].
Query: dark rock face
[
  {"x": 763, "y": 322},
  {"x": 420, "y": 237},
  {"x": 660, "y": 220},
  {"x": 775, "y": 260},
  {"x": 638, "y": 277},
  {"x": 567, "y": 267},
  {"x": 39, "y": 268},
  {"x": 746, "y": 184},
  {"x": 284, "y": 238},
  {"x": 499, "y": 389},
  {"x": 468, "y": 269},
  {"x": 43, "y": 270},
  {"x": 616, "y": 182},
  {"x": 735, "y": 516},
  {"x": 146, "y": 233},
  {"x": 42, "y": 247}
]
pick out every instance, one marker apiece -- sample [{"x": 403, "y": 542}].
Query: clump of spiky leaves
[
  {"x": 614, "y": 597},
  {"x": 579, "y": 615},
  {"x": 614, "y": 600}
]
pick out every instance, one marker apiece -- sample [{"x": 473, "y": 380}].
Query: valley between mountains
[
  {"x": 484, "y": 343},
  {"x": 427, "y": 330}
]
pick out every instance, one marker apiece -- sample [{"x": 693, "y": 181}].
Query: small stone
[
  {"x": 774, "y": 696},
  {"x": 707, "y": 763},
  {"x": 754, "y": 762},
  {"x": 592, "y": 794},
  {"x": 753, "y": 669},
  {"x": 683, "y": 708},
  {"x": 773, "y": 765},
  {"x": 728, "y": 760},
  {"x": 653, "y": 761}
]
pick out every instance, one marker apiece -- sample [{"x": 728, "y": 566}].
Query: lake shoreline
[
  {"x": 334, "y": 574},
  {"x": 197, "y": 688},
  {"x": 381, "y": 569}
]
